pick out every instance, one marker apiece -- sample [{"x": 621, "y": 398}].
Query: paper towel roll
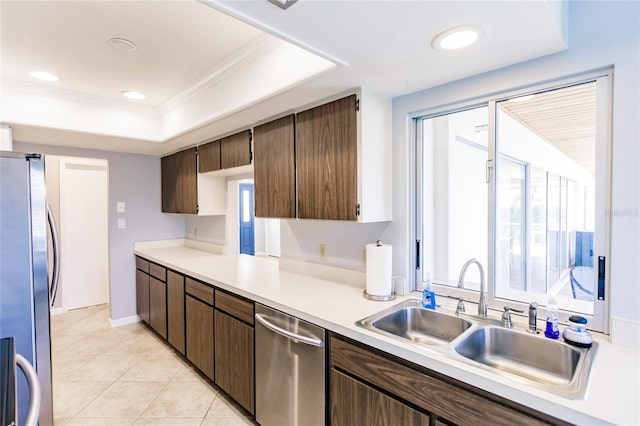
[{"x": 379, "y": 281}]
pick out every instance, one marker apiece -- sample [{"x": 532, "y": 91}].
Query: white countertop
[{"x": 614, "y": 388}]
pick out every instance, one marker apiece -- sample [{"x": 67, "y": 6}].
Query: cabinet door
[
  {"x": 235, "y": 150},
  {"x": 175, "y": 310},
  {"x": 234, "y": 359},
  {"x": 142, "y": 295},
  {"x": 354, "y": 403},
  {"x": 200, "y": 342},
  {"x": 158, "y": 306},
  {"x": 326, "y": 161},
  {"x": 209, "y": 157},
  {"x": 187, "y": 187},
  {"x": 274, "y": 168},
  {"x": 180, "y": 182},
  {"x": 169, "y": 179}
]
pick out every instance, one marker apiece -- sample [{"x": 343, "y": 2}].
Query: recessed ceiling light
[
  {"x": 43, "y": 75},
  {"x": 122, "y": 44},
  {"x": 456, "y": 38},
  {"x": 133, "y": 95},
  {"x": 524, "y": 98}
]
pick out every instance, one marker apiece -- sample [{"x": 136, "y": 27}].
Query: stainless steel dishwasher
[{"x": 290, "y": 370}]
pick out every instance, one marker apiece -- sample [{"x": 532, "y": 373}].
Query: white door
[{"x": 84, "y": 231}]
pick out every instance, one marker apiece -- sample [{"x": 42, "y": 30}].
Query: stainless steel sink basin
[
  {"x": 552, "y": 365},
  {"x": 410, "y": 321}
]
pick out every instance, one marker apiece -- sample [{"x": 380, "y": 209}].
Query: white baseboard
[
  {"x": 124, "y": 321},
  {"x": 625, "y": 332},
  {"x": 58, "y": 311}
]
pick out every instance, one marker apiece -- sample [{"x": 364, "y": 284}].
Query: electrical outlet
[
  {"x": 364, "y": 258},
  {"x": 323, "y": 252},
  {"x": 120, "y": 207},
  {"x": 195, "y": 233}
]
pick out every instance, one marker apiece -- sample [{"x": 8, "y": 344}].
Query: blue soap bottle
[{"x": 428, "y": 295}]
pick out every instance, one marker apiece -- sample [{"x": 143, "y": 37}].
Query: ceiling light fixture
[
  {"x": 283, "y": 4},
  {"x": 456, "y": 38},
  {"x": 122, "y": 44},
  {"x": 43, "y": 75},
  {"x": 133, "y": 95}
]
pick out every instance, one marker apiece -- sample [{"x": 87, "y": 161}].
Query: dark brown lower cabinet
[
  {"x": 175, "y": 310},
  {"x": 234, "y": 359},
  {"x": 142, "y": 295},
  {"x": 354, "y": 403},
  {"x": 367, "y": 383},
  {"x": 199, "y": 328},
  {"x": 158, "y": 306}
]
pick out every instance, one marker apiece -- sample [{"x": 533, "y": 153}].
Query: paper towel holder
[{"x": 378, "y": 298}]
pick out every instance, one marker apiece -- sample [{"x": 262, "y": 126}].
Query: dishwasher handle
[{"x": 288, "y": 334}]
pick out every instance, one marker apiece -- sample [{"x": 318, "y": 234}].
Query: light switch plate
[
  {"x": 120, "y": 207},
  {"x": 122, "y": 223}
]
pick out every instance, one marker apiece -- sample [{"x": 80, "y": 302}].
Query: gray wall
[{"x": 134, "y": 179}]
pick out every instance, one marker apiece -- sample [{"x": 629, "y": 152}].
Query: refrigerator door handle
[
  {"x": 34, "y": 390},
  {"x": 55, "y": 276}
]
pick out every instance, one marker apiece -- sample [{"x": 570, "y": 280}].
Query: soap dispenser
[
  {"x": 428, "y": 295},
  {"x": 551, "y": 330}
]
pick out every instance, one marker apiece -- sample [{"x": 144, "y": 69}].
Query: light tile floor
[{"x": 128, "y": 376}]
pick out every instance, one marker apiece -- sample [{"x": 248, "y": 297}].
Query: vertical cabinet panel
[
  {"x": 354, "y": 403},
  {"x": 142, "y": 295},
  {"x": 158, "y": 306},
  {"x": 274, "y": 168},
  {"x": 234, "y": 357},
  {"x": 209, "y": 157},
  {"x": 179, "y": 182},
  {"x": 175, "y": 310},
  {"x": 326, "y": 161},
  {"x": 235, "y": 150},
  {"x": 200, "y": 341},
  {"x": 169, "y": 182},
  {"x": 187, "y": 196}
]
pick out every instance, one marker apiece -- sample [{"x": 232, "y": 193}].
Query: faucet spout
[{"x": 482, "y": 303}]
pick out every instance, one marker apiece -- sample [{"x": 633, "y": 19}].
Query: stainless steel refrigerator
[{"x": 24, "y": 283}]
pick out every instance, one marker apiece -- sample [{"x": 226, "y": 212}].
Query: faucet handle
[{"x": 506, "y": 316}]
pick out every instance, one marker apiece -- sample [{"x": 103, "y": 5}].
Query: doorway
[
  {"x": 77, "y": 190},
  {"x": 247, "y": 220}
]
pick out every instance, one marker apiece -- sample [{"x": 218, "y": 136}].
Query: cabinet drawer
[
  {"x": 142, "y": 264},
  {"x": 199, "y": 290},
  {"x": 160, "y": 272},
  {"x": 446, "y": 400},
  {"x": 236, "y": 306}
]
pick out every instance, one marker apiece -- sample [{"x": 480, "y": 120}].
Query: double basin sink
[{"x": 551, "y": 365}]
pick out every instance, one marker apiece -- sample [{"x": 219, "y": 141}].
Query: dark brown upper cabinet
[
  {"x": 326, "y": 161},
  {"x": 179, "y": 182},
  {"x": 184, "y": 190},
  {"x": 274, "y": 168},
  {"x": 235, "y": 150},
  {"x": 209, "y": 157}
]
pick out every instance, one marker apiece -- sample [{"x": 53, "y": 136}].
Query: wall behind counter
[{"x": 135, "y": 180}]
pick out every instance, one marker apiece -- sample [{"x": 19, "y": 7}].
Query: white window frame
[{"x": 599, "y": 321}]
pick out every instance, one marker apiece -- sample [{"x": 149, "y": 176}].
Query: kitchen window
[{"x": 519, "y": 182}]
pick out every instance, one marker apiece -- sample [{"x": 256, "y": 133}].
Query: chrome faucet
[
  {"x": 533, "y": 318},
  {"x": 482, "y": 303}
]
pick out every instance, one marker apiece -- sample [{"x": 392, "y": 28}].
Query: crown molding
[
  {"x": 261, "y": 46},
  {"x": 44, "y": 90}
]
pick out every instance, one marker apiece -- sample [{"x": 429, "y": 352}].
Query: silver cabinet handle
[
  {"x": 302, "y": 339},
  {"x": 34, "y": 390},
  {"x": 55, "y": 276}
]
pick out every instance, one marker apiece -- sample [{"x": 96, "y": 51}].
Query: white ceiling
[{"x": 205, "y": 73}]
